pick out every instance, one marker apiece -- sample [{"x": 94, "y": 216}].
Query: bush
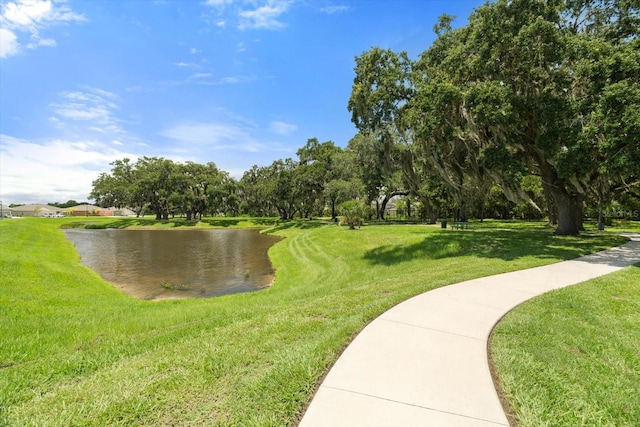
[{"x": 352, "y": 212}]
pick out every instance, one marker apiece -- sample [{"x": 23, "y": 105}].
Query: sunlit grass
[
  {"x": 76, "y": 351},
  {"x": 572, "y": 357}
]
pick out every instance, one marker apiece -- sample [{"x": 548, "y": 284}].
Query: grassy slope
[
  {"x": 75, "y": 351},
  {"x": 572, "y": 357}
]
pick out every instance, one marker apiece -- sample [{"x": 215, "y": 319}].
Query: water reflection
[{"x": 158, "y": 264}]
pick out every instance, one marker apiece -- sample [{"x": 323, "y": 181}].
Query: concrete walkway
[{"x": 424, "y": 362}]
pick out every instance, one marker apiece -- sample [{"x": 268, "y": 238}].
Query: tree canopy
[
  {"x": 533, "y": 106},
  {"x": 548, "y": 88}
]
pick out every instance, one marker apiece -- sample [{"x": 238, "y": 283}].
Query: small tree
[{"x": 352, "y": 212}]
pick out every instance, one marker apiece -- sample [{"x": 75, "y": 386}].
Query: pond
[{"x": 163, "y": 264}]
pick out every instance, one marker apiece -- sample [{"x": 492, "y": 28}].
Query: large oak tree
[{"x": 526, "y": 87}]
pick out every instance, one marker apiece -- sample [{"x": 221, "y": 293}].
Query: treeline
[
  {"x": 68, "y": 204},
  {"x": 166, "y": 188},
  {"x": 321, "y": 179},
  {"x": 323, "y": 175},
  {"x": 530, "y": 110}
]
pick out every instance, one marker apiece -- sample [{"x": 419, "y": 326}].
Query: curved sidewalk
[{"x": 424, "y": 362}]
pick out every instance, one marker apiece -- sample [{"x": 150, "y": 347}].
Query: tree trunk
[
  {"x": 386, "y": 199},
  {"x": 429, "y": 213},
  {"x": 462, "y": 209},
  {"x": 383, "y": 207},
  {"x": 569, "y": 203},
  {"x": 552, "y": 211},
  {"x": 569, "y": 212}
]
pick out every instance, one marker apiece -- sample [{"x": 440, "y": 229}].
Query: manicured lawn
[
  {"x": 572, "y": 357},
  {"x": 75, "y": 351}
]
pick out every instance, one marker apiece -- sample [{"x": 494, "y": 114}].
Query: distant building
[
  {"x": 88, "y": 210},
  {"x": 48, "y": 211},
  {"x": 36, "y": 210},
  {"x": 6, "y": 211},
  {"x": 122, "y": 211}
]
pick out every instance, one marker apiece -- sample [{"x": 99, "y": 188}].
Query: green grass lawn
[
  {"x": 75, "y": 351},
  {"x": 572, "y": 357}
]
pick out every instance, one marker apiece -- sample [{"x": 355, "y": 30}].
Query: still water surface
[{"x": 144, "y": 263}]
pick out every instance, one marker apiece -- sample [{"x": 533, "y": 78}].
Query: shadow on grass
[
  {"x": 299, "y": 224},
  {"x": 229, "y": 222},
  {"x": 492, "y": 243}
]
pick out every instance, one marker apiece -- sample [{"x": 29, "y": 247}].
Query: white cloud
[
  {"x": 234, "y": 143},
  {"x": 40, "y": 12},
  {"x": 214, "y": 135},
  {"x": 207, "y": 80},
  {"x": 264, "y": 17},
  {"x": 81, "y": 109},
  {"x": 75, "y": 111},
  {"x": 237, "y": 79},
  {"x": 42, "y": 42},
  {"x": 114, "y": 129},
  {"x": 248, "y": 14},
  {"x": 53, "y": 169},
  {"x": 330, "y": 10},
  {"x": 94, "y": 106},
  {"x": 218, "y": 3},
  {"x": 200, "y": 76},
  {"x": 282, "y": 128},
  {"x": 26, "y": 13},
  {"x": 33, "y": 17},
  {"x": 84, "y": 106},
  {"x": 102, "y": 92},
  {"x": 9, "y": 44}
]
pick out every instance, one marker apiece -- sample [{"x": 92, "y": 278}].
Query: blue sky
[{"x": 235, "y": 82}]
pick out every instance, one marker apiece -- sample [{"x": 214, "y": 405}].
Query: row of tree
[
  {"x": 323, "y": 176},
  {"x": 165, "y": 188},
  {"x": 532, "y": 107},
  {"x": 323, "y": 181}
]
